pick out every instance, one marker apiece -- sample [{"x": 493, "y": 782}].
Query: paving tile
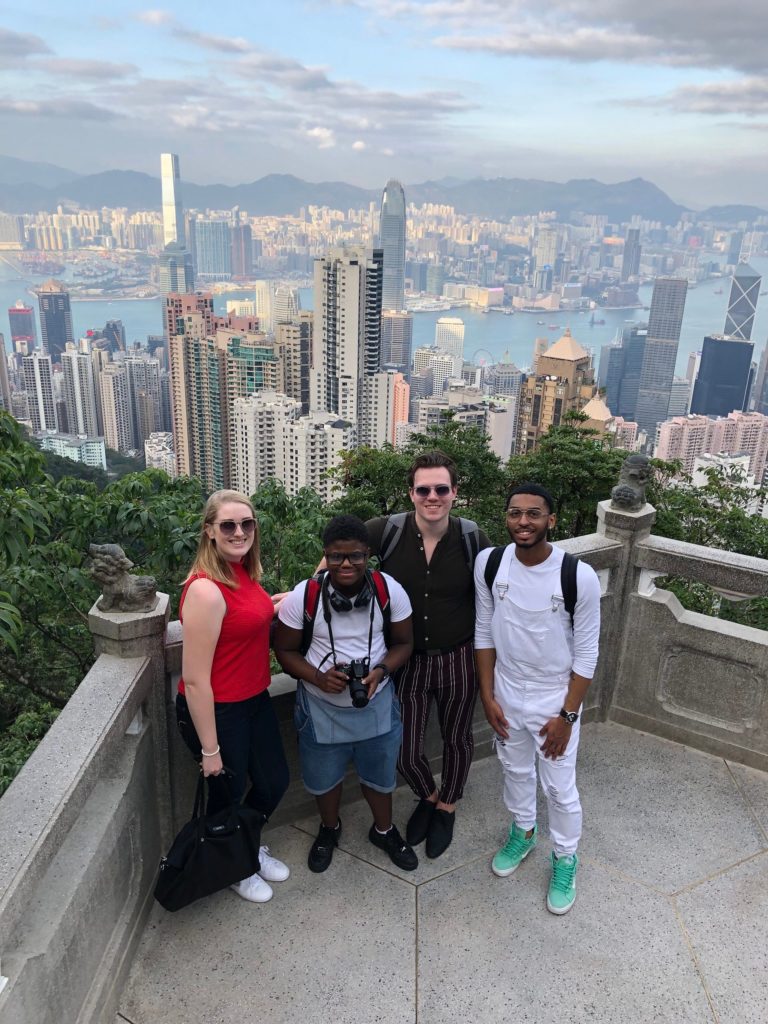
[
  {"x": 660, "y": 812},
  {"x": 322, "y": 948},
  {"x": 727, "y": 920},
  {"x": 490, "y": 951},
  {"x": 754, "y": 785}
]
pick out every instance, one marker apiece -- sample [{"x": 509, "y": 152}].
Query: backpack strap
[
  {"x": 381, "y": 594},
  {"x": 470, "y": 538},
  {"x": 393, "y": 531},
  {"x": 311, "y": 604},
  {"x": 492, "y": 567},
  {"x": 568, "y": 583}
]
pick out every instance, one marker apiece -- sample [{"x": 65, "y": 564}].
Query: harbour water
[{"x": 488, "y": 336}]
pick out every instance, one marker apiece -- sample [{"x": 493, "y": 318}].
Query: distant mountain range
[{"x": 27, "y": 186}]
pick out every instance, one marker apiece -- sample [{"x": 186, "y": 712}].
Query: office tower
[
  {"x": 630, "y": 263},
  {"x": 241, "y": 307},
  {"x": 307, "y": 448},
  {"x": 5, "y": 384},
  {"x": 256, "y": 421},
  {"x": 742, "y": 302},
  {"x": 346, "y": 340},
  {"x": 21, "y": 319},
  {"x": 242, "y": 251},
  {"x": 396, "y": 340},
  {"x": 546, "y": 247},
  {"x": 286, "y": 304},
  {"x": 385, "y": 404},
  {"x": 159, "y": 453},
  {"x": 79, "y": 392},
  {"x": 679, "y": 397},
  {"x": 115, "y": 410},
  {"x": 11, "y": 232},
  {"x": 173, "y": 211},
  {"x": 435, "y": 279},
  {"x": 37, "y": 371},
  {"x": 734, "y": 248},
  {"x": 263, "y": 298},
  {"x": 175, "y": 270},
  {"x": 660, "y": 352},
  {"x": 416, "y": 275},
  {"x": 144, "y": 397},
  {"x": 293, "y": 345},
  {"x": 686, "y": 438},
  {"x": 55, "y": 319},
  {"x": 114, "y": 332},
  {"x": 563, "y": 381},
  {"x": 725, "y": 376},
  {"x": 214, "y": 250},
  {"x": 449, "y": 335},
  {"x": 208, "y": 372},
  {"x": 392, "y": 244}
]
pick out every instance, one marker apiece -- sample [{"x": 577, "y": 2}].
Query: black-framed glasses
[
  {"x": 531, "y": 513},
  {"x": 441, "y": 490},
  {"x": 228, "y": 526},
  {"x": 353, "y": 557}
]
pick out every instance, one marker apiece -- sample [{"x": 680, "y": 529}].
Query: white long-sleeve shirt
[{"x": 537, "y": 589}]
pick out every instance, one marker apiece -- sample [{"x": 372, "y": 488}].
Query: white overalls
[{"x": 531, "y": 633}]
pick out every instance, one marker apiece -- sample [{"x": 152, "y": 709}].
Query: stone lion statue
[
  {"x": 121, "y": 592},
  {"x": 629, "y": 493}
]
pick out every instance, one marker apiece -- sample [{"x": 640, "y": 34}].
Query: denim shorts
[{"x": 324, "y": 765}]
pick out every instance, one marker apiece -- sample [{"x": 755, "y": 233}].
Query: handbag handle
[{"x": 197, "y": 807}]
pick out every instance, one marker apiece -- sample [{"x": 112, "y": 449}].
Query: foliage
[
  {"x": 57, "y": 467},
  {"x": 290, "y": 530}
]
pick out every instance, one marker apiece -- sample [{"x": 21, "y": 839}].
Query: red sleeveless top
[{"x": 240, "y": 667}]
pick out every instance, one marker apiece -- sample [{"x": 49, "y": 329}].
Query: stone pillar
[
  {"x": 627, "y": 528},
  {"x": 135, "y": 635}
]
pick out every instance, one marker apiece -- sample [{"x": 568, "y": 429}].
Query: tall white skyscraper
[
  {"x": 449, "y": 335},
  {"x": 115, "y": 411},
  {"x": 392, "y": 243},
  {"x": 79, "y": 391},
  {"x": 263, "y": 304},
  {"x": 385, "y": 404},
  {"x": 38, "y": 384},
  {"x": 173, "y": 211},
  {"x": 346, "y": 342},
  {"x": 144, "y": 397},
  {"x": 307, "y": 448},
  {"x": 286, "y": 304},
  {"x": 256, "y": 423}
]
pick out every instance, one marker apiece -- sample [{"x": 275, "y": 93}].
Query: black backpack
[
  {"x": 313, "y": 591},
  {"x": 567, "y": 577},
  {"x": 393, "y": 531}
]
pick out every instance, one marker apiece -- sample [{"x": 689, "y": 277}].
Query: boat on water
[
  {"x": 718, "y": 291},
  {"x": 553, "y": 327},
  {"x": 540, "y": 322}
]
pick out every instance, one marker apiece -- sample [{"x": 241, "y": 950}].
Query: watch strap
[{"x": 571, "y": 717}]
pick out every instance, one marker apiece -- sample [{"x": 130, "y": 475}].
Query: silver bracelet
[{"x": 213, "y": 753}]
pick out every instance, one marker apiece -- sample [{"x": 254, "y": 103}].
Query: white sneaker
[
  {"x": 272, "y": 869},
  {"x": 253, "y": 888}
]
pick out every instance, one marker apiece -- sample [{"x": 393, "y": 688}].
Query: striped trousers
[{"x": 449, "y": 680}]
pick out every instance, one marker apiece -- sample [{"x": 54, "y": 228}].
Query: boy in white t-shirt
[{"x": 361, "y": 632}]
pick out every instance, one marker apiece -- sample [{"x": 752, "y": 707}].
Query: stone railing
[{"x": 84, "y": 824}]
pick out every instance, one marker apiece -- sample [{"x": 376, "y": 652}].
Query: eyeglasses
[
  {"x": 228, "y": 526},
  {"x": 532, "y": 513},
  {"x": 353, "y": 557},
  {"x": 441, "y": 490}
]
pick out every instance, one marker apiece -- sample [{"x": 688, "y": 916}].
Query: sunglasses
[
  {"x": 353, "y": 557},
  {"x": 228, "y": 526},
  {"x": 441, "y": 490}
]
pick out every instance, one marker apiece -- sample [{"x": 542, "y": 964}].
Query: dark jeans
[{"x": 249, "y": 736}]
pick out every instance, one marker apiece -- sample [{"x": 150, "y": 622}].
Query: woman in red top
[{"x": 224, "y": 711}]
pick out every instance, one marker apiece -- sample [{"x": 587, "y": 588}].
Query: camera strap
[{"x": 327, "y": 613}]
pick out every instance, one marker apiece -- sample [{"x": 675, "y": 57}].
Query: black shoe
[
  {"x": 321, "y": 851},
  {"x": 418, "y": 823},
  {"x": 440, "y": 832},
  {"x": 395, "y": 846}
]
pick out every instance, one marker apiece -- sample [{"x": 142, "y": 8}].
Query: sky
[{"x": 675, "y": 91}]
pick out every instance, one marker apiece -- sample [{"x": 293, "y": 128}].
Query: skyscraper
[
  {"x": 38, "y": 384},
  {"x": 173, "y": 211},
  {"x": 242, "y": 251},
  {"x": 214, "y": 250},
  {"x": 293, "y": 345},
  {"x": 725, "y": 375},
  {"x": 286, "y": 304},
  {"x": 175, "y": 273},
  {"x": 392, "y": 243},
  {"x": 115, "y": 411},
  {"x": 5, "y": 384},
  {"x": 144, "y": 397},
  {"x": 742, "y": 302},
  {"x": 396, "y": 340},
  {"x": 346, "y": 342},
  {"x": 55, "y": 319},
  {"x": 79, "y": 391},
  {"x": 660, "y": 352},
  {"x": 630, "y": 263},
  {"x": 22, "y": 322},
  {"x": 449, "y": 335}
]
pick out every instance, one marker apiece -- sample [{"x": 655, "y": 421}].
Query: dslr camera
[{"x": 356, "y": 671}]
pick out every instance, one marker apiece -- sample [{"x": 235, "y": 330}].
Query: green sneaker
[
  {"x": 513, "y": 852},
  {"x": 562, "y": 887}
]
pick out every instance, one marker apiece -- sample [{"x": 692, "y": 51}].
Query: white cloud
[
  {"x": 155, "y": 17},
  {"x": 359, "y": 145},
  {"x": 324, "y": 137}
]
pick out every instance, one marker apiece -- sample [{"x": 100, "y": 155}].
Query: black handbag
[{"x": 211, "y": 852}]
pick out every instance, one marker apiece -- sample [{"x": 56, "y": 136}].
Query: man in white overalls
[{"x": 533, "y": 669}]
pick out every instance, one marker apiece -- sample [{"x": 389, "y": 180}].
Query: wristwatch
[
  {"x": 383, "y": 667},
  {"x": 569, "y": 716}
]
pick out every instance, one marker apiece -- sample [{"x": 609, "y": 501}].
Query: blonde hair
[{"x": 208, "y": 561}]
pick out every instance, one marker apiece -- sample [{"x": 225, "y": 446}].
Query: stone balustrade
[{"x": 86, "y": 820}]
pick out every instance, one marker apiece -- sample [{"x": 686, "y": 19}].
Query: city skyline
[{"x": 678, "y": 96}]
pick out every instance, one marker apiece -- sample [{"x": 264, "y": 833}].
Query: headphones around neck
[{"x": 342, "y": 603}]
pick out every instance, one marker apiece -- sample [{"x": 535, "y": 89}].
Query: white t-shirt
[
  {"x": 537, "y": 588},
  {"x": 350, "y": 633}
]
